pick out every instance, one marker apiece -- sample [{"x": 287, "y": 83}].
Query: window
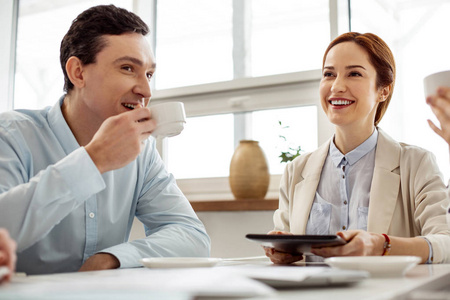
[
  {"x": 280, "y": 130},
  {"x": 211, "y": 159},
  {"x": 195, "y": 47},
  {"x": 262, "y": 101},
  {"x": 241, "y": 66},
  {"x": 206, "y": 146},
  {"x": 42, "y": 24},
  {"x": 288, "y": 36},
  {"x": 414, "y": 30},
  {"x": 258, "y": 39}
]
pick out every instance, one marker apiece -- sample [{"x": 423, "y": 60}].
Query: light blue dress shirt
[
  {"x": 61, "y": 210},
  {"x": 343, "y": 195}
]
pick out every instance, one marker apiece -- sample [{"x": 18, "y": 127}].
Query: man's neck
[{"x": 79, "y": 122}]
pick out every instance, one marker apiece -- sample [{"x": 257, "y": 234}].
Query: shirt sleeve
[
  {"x": 35, "y": 203},
  {"x": 171, "y": 226}
]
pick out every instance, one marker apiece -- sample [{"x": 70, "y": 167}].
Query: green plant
[{"x": 291, "y": 153}]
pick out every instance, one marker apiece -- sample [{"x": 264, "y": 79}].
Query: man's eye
[
  {"x": 127, "y": 68},
  {"x": 149, "y": 76}
]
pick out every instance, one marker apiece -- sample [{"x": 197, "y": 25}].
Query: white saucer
[
  {"x": 377, "y": 266},
  {"x": 179, "y": 262}
]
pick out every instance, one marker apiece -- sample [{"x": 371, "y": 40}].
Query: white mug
[
  {"x": 170, "y": 118},
  {"x": 433, "y": 81},
  {"x": 448, "y": 215}
]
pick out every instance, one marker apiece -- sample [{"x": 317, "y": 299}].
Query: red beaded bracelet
[{"x": 387, "y": 245}]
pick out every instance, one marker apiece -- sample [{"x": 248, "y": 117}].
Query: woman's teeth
[{"x": 341, "y": 102}]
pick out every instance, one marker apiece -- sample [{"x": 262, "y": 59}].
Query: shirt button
[
  {"x": 345, "y": 202},
  {"x": 343, "y": 227},
  {"x": 91, "y": 215},
  {"x": 343, "y": 176}
]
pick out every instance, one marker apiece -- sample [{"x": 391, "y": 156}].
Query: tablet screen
[{"x": 295, "y": 244}]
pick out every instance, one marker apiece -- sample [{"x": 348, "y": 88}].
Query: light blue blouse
[
  {"x": 343, "y": 195},
  {"x": 61, "y": 210}
]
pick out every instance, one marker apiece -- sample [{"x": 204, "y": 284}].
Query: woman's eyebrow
[
  {"x": 347, "y": 67},
  {"x": 354, "y": 66}
]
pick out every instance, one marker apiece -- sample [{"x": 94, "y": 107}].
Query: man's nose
[{"x": 143, "y": 89}]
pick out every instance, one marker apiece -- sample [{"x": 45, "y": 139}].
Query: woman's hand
[
  {"x": 440, "y": 105},
  {"x": 278, "y": 257},
  {"x": 359, "y": 243}
]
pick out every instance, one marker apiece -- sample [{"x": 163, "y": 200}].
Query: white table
[{"x": 186, "y": 284}]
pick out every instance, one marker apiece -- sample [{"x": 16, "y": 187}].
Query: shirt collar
[
  {"x": 356, "y": 154},
  {"x": 61, "y": 129}
]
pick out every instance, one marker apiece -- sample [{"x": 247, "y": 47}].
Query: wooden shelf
[{"x": 235, "y": 205}]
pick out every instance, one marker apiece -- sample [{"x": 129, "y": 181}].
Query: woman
[{"x": 381, "y": 196}]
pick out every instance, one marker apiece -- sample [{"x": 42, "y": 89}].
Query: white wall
[{"x": 227, "y": 231}]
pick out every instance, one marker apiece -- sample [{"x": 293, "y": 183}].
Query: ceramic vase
[{"x": 249, "y": 172}]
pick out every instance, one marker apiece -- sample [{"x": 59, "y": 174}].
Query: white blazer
[{"x": 408, "y": 197}]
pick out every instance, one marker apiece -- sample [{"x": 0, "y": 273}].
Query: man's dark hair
[{"x": 85, "y": 36}]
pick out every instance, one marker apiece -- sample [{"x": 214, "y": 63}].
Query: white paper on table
[{"x": 181, "y": 284}]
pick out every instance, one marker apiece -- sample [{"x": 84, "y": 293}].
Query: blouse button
[
  {"x": 345, "y": 202},
  {"x": 343, "y": 227},
  {"x": 91, "y": 215}
]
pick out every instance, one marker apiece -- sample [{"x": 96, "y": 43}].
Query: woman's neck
[{"x": 347, "y": 139}]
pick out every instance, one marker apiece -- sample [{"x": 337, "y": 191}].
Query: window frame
[{"x": 8, "y": 20}]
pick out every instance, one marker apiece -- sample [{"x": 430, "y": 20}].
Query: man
[
  {"x": 7, "y": 255},
  {"x": 73, "y": 176}
]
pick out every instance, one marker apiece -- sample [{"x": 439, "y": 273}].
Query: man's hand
[
  {"x": 7, "y": 253},
  {"x": 100, "y": 261},
  {"x": 119, "y": 139}
]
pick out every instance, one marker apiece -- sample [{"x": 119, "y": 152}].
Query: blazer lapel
[
  {"x": 305, "y": 189},
  {"x": 385, "y": 184}
]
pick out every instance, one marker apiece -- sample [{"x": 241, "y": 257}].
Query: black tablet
[{"x": 296, "y": 244}]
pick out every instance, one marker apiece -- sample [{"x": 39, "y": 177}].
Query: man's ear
[{"x": 74, "y": 69}]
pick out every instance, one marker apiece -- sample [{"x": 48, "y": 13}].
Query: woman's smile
[{"x": 340, "y": 103}]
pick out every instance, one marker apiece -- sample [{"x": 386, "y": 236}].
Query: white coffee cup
[
  {"x": 448, "y": 216},
  {"x": 433, "y": 81},
  {"x": 170, "y": 118}
]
